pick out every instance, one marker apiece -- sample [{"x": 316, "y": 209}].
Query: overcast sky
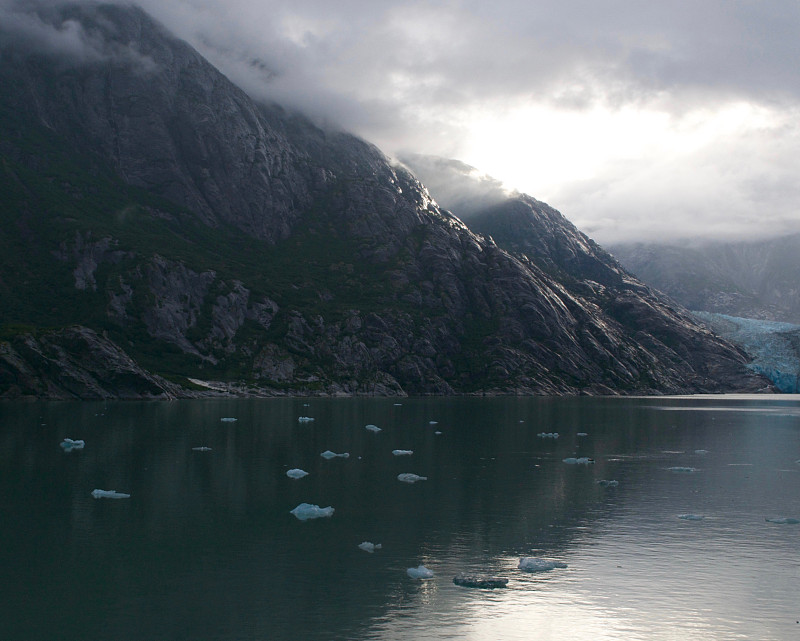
[{"x": 638, "y": 120}]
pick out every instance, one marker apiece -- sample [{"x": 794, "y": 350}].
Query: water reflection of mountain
[{"x": 206, "y": 541}]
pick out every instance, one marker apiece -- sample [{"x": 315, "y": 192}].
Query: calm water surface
[{"x": 205, "y": 547}]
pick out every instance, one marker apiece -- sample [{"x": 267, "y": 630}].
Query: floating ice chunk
[
  {"x": 109, "y": 494},
  {"x": 402, "y": 452},
  {"x": 535, "y": 564},
  {"x": 583, "y": 460},
  {"x": 420, "y": 572},
  {"x": 408, "y": 477},
  {"x": 783, "y": 520},
  {"x": 373, "y": 428},
  {"x": 547, "y": 435},
  {"x": 433, "y": 422},
  {"x": 306, "y": 511},
  {"x": 398, "y": 404},
  {"x": 701, "y": 452},
  {"x": 582, "y": 434},
  {"x": 607, "y": 483},
  {"x": 437, "y": 432},
  {"x": 329, "y": 455},
  {"x": 296, "y": 473},
  {"x": 304, "y": 419},
  {"x": 68, "y": 444},
  {"x": 691, "y": 517},
  {"x": 682, "y": 470},
  {"x": 202, "y": 448},
  {"x": 369, "y": 547},
  {"x": 229, "y": 419},
  {"x": 474, "y": 581}
]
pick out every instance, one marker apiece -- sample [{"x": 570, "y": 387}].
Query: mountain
[
  {"x": 750, "y": 279},
  {"x": 152, "y": 211}
]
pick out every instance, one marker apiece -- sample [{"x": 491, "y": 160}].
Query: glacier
[{"x": 773, "y": 346}]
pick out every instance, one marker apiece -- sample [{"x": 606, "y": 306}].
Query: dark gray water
[{"x": 205, "y": 547}]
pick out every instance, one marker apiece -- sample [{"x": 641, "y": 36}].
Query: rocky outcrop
[
  {"x": 223, "y": 240},
  {"x": 75, "y": 363}
]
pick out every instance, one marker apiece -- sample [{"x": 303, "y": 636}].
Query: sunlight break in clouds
[{"x": 637, "y": 120}]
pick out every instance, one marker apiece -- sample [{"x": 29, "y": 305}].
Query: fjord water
[{"x": 205, "y": 547}]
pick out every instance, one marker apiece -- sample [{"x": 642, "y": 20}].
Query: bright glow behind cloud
[{"x": 637, "y": 120}]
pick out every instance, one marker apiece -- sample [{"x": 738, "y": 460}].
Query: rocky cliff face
[{"x": 214, "y": 238}]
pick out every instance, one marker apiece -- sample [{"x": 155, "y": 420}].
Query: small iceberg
[
  {"x": 329, "y": 455},
  {"x": 229, "y": 419},
  {"x": 304, "y": 419},
  {"x": 701, "y": 452},
  {"x": 202, "y": 448},
  {"x": 408, "y": 477},
  {"x": 306, "y": 511},
  {"x": 607, "y": 483},
  {"x": 683, "y": 470},
  {"x": 68, "y": 444},
  {"x": 109, "y": 494},
  {"x": 373, "y": 428},
  {"x": 296, "y": 473},
  {"x": 437, "y": 432},
  {"x": 402, "y": 452},
  {"x": 783, "y": 520},
  {"x": 485, "y": 582},
  {"x": 582, "y": 434},
  {"x": 369, "y": 547},
  {"x": 534, "y": 564},
  {"x": 547, "y": 435},
  {"x": 583, "y": 460},
  {"x": 420, "y": 572},
  {"x": 691, "y": 517},
  {"x": 433, "y": 422}
]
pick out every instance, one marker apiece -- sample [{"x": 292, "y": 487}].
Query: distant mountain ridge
[
  {"x": 152, "y": 208},
  {"x": 750, "y": 279}
]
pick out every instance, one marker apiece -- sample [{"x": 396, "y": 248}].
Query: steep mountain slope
[
  {"x": 210, "y": 237},
  {"x": 756, "y": 279}
]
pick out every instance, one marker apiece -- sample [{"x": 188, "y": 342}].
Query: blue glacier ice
[
  {"x": 109, "y": 494},
  {"x": 68, "y": 444},
  {"x": 535, "y": 564},
  {"x": 420, "y": 572},
  {"x": 774, "y": 347},
  {"x": 306, "y": 511}
]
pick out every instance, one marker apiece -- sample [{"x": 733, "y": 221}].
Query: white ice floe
[
  {"x": 607, "y": 483},
  {"x": 547, "y": 435},
  {"x": 369, "y": 547},
  {"x": 701, "y": 452},
  {"x": 691, "y": 517},
  {"x": 420, "y": 572},
  {"x": 408, "y": 477},
  {"x": 433, "y": 422},
  {"x": 304, "y": 419},
  {"x": 329, "y": 455},
  {"x": 109, "y": 494},
  {"x": 296, "y": 473},
  {"x": 582, "y": 434},
  {"x": 306, "y": 511},
  {"x": 202, "y": 448},
  {"x": 373, "y": 428},
  {"x": 437, "y": 432},
  {"x": 535, "y": 564},
  {"x": 583, "y": 460},
  {"x": 402, "y": 452},
  {"x": 229, "y": 419},
  {"x": 68, "y": 444},
  {"x": 683, "y": 470},
  {"x": 783, "y": 520}
]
